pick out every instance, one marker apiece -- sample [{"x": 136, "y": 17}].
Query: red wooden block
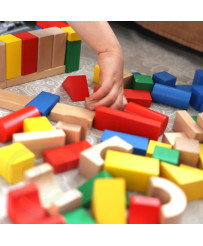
[
  {"x": 116, "y": 120},
  {"x": 13, "y": 123},
  {"x": 76, "y": 87},
  {"x": 144, "y": 210},
  {"x": 96, "y": 88},
  {"x": 24, "y": 207},
  {"x": 47, "y": 24},
  {"x": 136, "y": 109},
  {"x": 66, "y": 157},
  {"x": 140, "y": 97}
]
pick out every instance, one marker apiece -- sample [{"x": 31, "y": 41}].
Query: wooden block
[
  {"x": 108, "y": 201},
  {"x": 184, "y": 87},
  {"x": 140, "y": 97},
  {"x": 170, "y": 137},
  {"x": 47, "y": 24},
  {"x": 172, "y": 198},
  {"x": 38, "y": 142},
  {"x": 92, "y": 160},
  {"x": 71, "y": 34},
  {"x": 45, "y": 49},
  {"x": 184, "y": 123},
  {"x": 195, "y": 118},
  {"x": 200, "y": 163},
  {"x": 153, "y": 144},
  {"x": 79, "y": 216},
  {"x": 200, "y": 120},
  {"x": 128, "y": 80},
  {"x": 189, "y": 151},
  {"x": 96, "y": 74},
  {"x": 135, "y": 169},
  {"x": 13, "y": 55},
  {"x": 167, "y": 155},
  {"x": 72, "y": 131},
  {"x": 189, "y": 179},
  {"x": 143, "y": 82},
  {"x": 164, "y": 78},
  {"x": 88, "y": 102},
  {"x": 37, "y": 124},
  {"x": 15, "y": 159},
  {"x": 2, "y": 64},
  {"x": 197, "y": 97}
]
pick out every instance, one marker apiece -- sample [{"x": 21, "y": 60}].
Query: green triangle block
[
  {"x": 143, "y": 82},
  {"x": 166, "y": 155},
  {"x": 78, "y": 216}
]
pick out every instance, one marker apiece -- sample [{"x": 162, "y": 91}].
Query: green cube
[
  {"x": 167, "y": 155},
  {"x": 72, "y": 59},
  {"x": 78, "y": 216},
  {"x": 194, "y": 118},
  {"x": 143, "y": 82}
]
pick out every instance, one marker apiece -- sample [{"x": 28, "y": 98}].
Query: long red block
[
  {"x": 116, "y": 120},
  {"x": 76, "y": 87},
  {"x": 24, "y": 207},
  {"x": 29, "y": 52},
  {"x": 47, "y": 24},
  {"x": 66, "y": 157},
  {"x": 140, "y": 97},
  {"x": 13, "y": 123},
  {"x": 144, "y": 210},
  {"x": 136, "y": 109}
]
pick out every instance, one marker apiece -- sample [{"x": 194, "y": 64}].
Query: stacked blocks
[
  {"x": 164, "y": 78},
  {"x": 198, "y": 78},
  {"x": 143, "y": 82},
  {"x": 37, "y": 124}
]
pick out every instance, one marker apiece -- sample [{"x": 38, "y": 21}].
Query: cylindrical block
[
  {"x": 170, "y": 96},
  {"x": 13, "y": 123}
]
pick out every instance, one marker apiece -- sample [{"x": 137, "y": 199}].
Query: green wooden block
[
  {"x": 72, "y": 59},
  {"x": 194, "y": 118},
  {"x": 78, "y": 216},
  {"x": 167, "y": 155},
  {"x": 143, "y": 82}
]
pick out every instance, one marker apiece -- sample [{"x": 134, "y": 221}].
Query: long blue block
[
  {"x": 184, "y": 87},
  {"x": 197, "y": 96},
  {"x": 171, "y": 96},
  {"x": 139, "y": 144},
  {"x": 45, "y": 101},
  {"x": 164, "y": 78},
  {"x": 198, "y": 78},
  {"x": 201, "y": 108},
  {"x": 37, "y": 27}
]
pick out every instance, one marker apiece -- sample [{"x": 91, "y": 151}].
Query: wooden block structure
[
  {"x": 153, "y": 144},
  {"x": 92, "y": 160},
  {"x": 143, "y": 82},
  {"x": 37, "y": 124},
  {"x": 2, "y": 64},
  {"x": 170, "y": 137},
  {"x": 96, "y": 74},
  {"x": 79, "y": 216},
  {"x": 140, "y": 97},
  {"x": 164, "y": 78},
  {"x": 172, "y": 198}
]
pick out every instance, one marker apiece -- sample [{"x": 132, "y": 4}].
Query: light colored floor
[{"x": 143, "y": 53}]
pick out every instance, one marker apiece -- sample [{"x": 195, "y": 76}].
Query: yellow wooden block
[
  {"x": 96, "y": 74},
  {"x": 135, "y": 169},
  {"x": 189, "y": 179},
  {"x": 72, "y": 35},
  {"x": 152, "y": 144},
  {"x": 37, "y": 124},
  {"x": 13, "y": 55},
  {"x": 200, "y": 163},
  {"x": 14, "y": 160},
  {"x": 108, "y": 201}
]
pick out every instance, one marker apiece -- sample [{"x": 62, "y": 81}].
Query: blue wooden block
[
  {"x": 45, "y": 101},
  {"x": 184, "y": 87},
  {"x": 164, "y": 78},
  {"x": 37, "y": 27},
  {"x": 197, "y": 96},
  {"x": 139, "y": 144},
  {"x": 201, "y": 108},
  {"x": 171, "y": 96},
  {"x": 136, "y": 73},
  {"x": 198, "y": 78}
]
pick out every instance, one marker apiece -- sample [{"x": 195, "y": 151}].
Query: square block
[
  {"x": 79, "y": 216},
  {"x": 170, "y": 137},
  {"x": 143, "y": 82},
  {"x": 96, "y": 74},
  {"x": 72, "y": 35},
  {"x": 15, "y": 159},
  {"x": 164, "y": 78},
  {"x": 2, "y": 62},
  {"x": 153, "y": 144},
  {"x": 141, "y": 97},
  {"x": 198, "y": 77},
  {"x": 167, "y": 155},
  {"x": 197, "y": 96},
  {"x": 37, "y": 124}
]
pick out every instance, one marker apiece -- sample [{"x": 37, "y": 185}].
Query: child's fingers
[
  {"x": 118, "y": 104},
  {"x": 102, "y": 92}
]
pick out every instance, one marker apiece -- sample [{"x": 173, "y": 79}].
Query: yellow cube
[
  {"x": 13, "y": 55},
  {"x": 152, "y": 144},
  {"x": 200, "y": 163},
  {"x": 96, "y": 74},
  {"x": 72, "y": 35},
  {"x": 37, "y": 124},
  {"x": 108, "y": 201},
  {"x": 135, "y": 169},
  {"x": 14, "y": 160}
]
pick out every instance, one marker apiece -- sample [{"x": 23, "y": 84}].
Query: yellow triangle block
[{"x": 152, "y": 144}]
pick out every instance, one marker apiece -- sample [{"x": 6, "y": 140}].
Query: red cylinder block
[{"x": 13, "y": 123}]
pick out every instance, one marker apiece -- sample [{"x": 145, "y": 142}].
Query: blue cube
[
  {"x": 164, "y": 78},
  {"x": 198, "y": 78}
]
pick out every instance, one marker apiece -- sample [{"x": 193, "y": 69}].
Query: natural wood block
[
  {"x": 189, "y": 151},
  {"x": 170, "y": 137},
  {"x": 200, "y": 120},
  {"x": 128, "y": 80},
  {"x": 2, "y": 64},
  {"x": 200, "y": 163},
  {"x": 152, "y": 144},
  {"x": 184, "y": 123},
  {"x": 172, "y": 198}
]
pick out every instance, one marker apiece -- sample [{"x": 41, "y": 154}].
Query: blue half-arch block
[
  {"x": 164, "y": 78},
  {"x": 198, "y": 77}
]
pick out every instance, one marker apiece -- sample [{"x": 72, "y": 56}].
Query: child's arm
[{"x": 100, "y": 37}]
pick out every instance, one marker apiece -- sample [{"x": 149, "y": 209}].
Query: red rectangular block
[
  {"x": 116, "y": 120},
  {"x": 29, "y": 52},
  {"x": 140, "y": 97},
  {"x": 47, "y": 24},
  {"x": 66, "y": 157}
]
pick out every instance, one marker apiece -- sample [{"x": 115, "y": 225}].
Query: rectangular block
[
  {"x": 184, "y": 87},
  {"x": 170, "y": 137},
  {"x": 2, "y": 63},
  {"x": 167, "y": 155},
  {"x": 164, "y": 78},
  {"x": 47, "y": 24},
  {"x": 128, "y": 80},
  {"x": 96, "y": 74},
  {"x": 37, "y": 124},
  {"x": 153, "y": 144},
  {"x": 143, "y": 82},
  {"x": 196, "y": 97},
  {"x": 138, "y": 96}
]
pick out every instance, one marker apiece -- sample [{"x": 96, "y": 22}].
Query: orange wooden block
[{"x": 170, "y": 137}]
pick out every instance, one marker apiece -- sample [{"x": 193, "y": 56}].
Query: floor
[{"x": 144, "y": 53}]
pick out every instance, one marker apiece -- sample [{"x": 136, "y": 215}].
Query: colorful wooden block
[
  {"x": 184, "y": 87},
  {"x": 78, "y": 216},
  {"x": 172, "y": 198},
  {"x": 44, "y": 101},
  {"x": 198, "y": 77},
  {"x": 201, "y": 108},
  {"x": 167, "y": 155},
  {"x": 37, "y": 27},
  {"x": 189, "y": 179},
  {"x": 37, "y": 124},
  {"x": 135, "y": 169},
  {"x": 2, "y": 64},
  {"x": 200, "y": 162},
  {"x": 164, "y": 78},
  {"x": 128, "y": 80},
  {"x": 143, "y": 82},
  {"x": 153, "y": 144},
  {"x": 197, "y": 96},
  {"x": 189, "y": 151},
  {"x": 194, "y": 118},
  {"x": 170, "y": 96},
  {"x": 66, "y": 157},
  {"x": 200, "y": 120},
  {"x": 184, "y": 123},
  {"x": 15, "y": 159},
  {"x": 47, "y": 24},
  {"x": 29, "y": 52},
  {"x": 77, "y": 88},
  {"x": 13, "y": 55},
  {"x": 96, "y": 74},
  {"x": 92, "y": 160},
  {"x": 116, "y": 120},
  {"x": 108, "y": 201},
  {"x": 71, "y": 34},
  {"x": 139, "y": 144},
  {"x": 170, "y": 137},
  {"x": 144, "y": 210},
  {"x": 13, "y": 123},
  {"x": 38, "y": 142},
  {"x": 140, "y": 97}
]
